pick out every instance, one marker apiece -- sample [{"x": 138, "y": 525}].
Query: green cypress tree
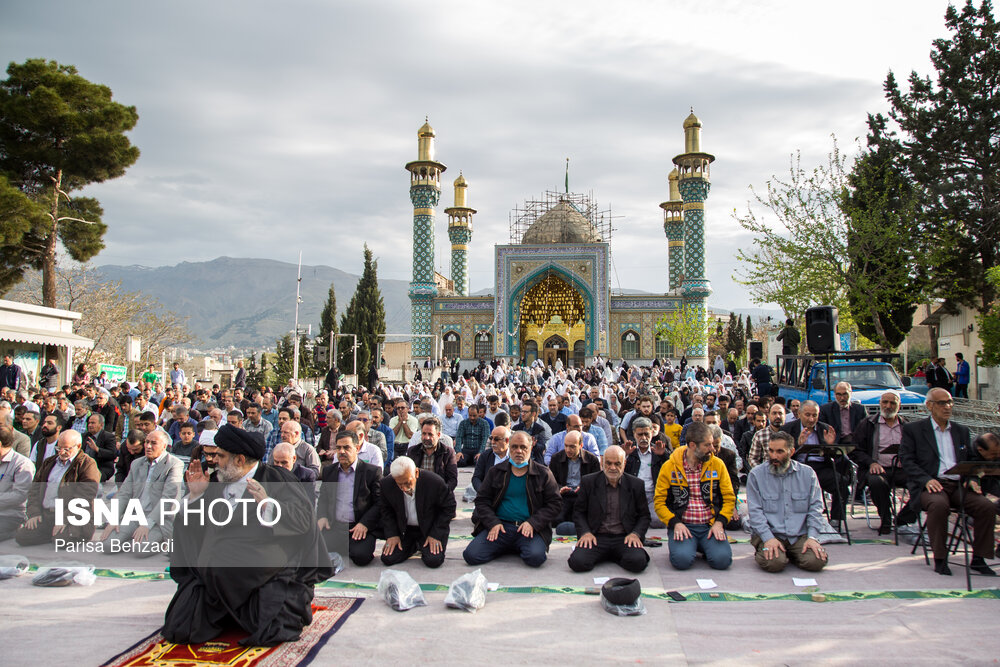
[
  {"x": 365, "y": 317},
  {"x": 283, "y": 356},
  {"x": 328, "y": 320}
]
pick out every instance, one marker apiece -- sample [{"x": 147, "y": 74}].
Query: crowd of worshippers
[{"x": 604, "y": 453}]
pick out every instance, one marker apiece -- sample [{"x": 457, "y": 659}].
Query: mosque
[{"x": 552, "y": 298}]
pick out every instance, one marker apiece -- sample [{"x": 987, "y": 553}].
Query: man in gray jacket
[
  {"x": 786, "y": 510},
  {"x": 16, "y": 473},
  {"x": 152, "y": 479}
]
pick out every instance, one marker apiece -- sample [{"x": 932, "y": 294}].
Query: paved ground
[{"x": 86, "y": 625}]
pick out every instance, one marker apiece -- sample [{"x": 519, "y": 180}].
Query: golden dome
[
  {"x": 561, "y": 224},
  {"x": 425, "y": 130},
  {"x": 672, "y": 179},
  {"x": 691, "y": 121},
  {"x": 460, "y": 182}
]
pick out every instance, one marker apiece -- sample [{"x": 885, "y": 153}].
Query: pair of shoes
[
  {"x": 885, "y": 529},
  {"x": 979, "y": 565},
  {"x": 941, "y": 567},
  {"x": 908, "y": 529}
]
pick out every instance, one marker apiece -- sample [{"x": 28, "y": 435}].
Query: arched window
[
  {"x": 579, "y": 354},
  {"x": 664, "y": 350},
  {"x": 452, "y": 345},
  {"x": 530, "y": 352},
  {"x": 630, "y": 345},
  {"x": 484, "y": 345}
]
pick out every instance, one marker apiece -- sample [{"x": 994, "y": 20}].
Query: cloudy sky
[{"x": 268, "y": 128}]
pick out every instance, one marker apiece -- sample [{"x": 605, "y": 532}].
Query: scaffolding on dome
[{"x": 521, "y": 218}]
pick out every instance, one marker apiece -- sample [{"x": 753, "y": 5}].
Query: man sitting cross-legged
[
  {"x": 786, "y": 510},
  {"x": 611, "y": 516},
  {"x": 694, "y": 497},
  {"x": 516, "y": 505},
  {"x": 569, "y": 466}
]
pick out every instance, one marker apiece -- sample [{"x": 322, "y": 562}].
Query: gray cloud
[{"x": 267, "y": 129}]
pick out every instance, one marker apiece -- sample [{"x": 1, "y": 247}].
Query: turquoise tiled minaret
[
  {"x": 460, "y": 234},
  {"x": 694, "y": 183},
  {"x": 425, "y": 191},
  {"x": 673, "y": 226}
]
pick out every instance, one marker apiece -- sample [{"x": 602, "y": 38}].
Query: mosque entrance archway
[
  {"x": 531, "y": 352},
  {"x": 553, "y": 322},
  {"x": 555, "y": 349}
]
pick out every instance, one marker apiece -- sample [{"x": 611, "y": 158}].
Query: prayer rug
[{"x": 225, "y": 651}]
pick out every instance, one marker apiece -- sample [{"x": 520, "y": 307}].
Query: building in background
[
  {"x": 33, "y": 334},
  {"x": 551, "y": 296}
]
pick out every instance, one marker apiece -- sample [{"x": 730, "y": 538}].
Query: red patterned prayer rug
[{"x": 225, "y": 651}]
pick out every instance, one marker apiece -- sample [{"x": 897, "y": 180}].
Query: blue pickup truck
[{"x": 870, "y": 373}]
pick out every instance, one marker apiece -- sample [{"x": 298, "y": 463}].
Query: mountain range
[{"x": 250, "y": 303}]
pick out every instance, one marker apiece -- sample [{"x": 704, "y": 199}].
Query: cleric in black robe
[{"x": 252, "y": 577}]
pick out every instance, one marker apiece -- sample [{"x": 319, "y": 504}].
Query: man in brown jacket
[{"x": 67, "y": 475}]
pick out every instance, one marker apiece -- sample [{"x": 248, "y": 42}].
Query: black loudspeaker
[
  {"x": 821, "y": 329},
  {"x": 756, "y": 349}
]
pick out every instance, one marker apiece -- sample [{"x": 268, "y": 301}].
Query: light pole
[{"x": 298, "y": 300}]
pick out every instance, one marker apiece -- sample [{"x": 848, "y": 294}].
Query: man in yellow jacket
[{"x": 694, "y": 495}]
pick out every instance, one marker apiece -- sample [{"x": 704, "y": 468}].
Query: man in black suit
[
  {"x": 808, "y": 430},
  {"x": 841, "y": 414},
  {"x": 929, "y": 448},
  {"x": 746, "y": 423},
  {"x": 417, "y": 509},
  {"x": 99, "y": 444},
  {"x": 433, "y": 454},
  {"x": 611, "y": 516},
  {"x": 283, "y": 456},
  {"x": 352, "y": 500},
  {"x": 569, "y": 467},
  {"x": 938, "y": 375},
  {"x": 499, "y": 439}
]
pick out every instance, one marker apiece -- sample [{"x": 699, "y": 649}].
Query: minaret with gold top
[
  {"x": 460, "y": 234},
  {"x": 694, "y": 183},
  {"x": 425, "y": 191},
  {"x": 673, "y": 226}
]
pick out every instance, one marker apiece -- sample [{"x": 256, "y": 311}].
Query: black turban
[
  {"x": 621, "y": 591},
  {"x": 237, "y": 441}
]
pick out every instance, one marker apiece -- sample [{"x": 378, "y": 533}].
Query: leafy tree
[
  {"x": 365, "y": 317},
  {"x": 885, "y": 274},
  {"x": 834, "y": 242},
  {"x": 283, "y": 356},
  {"x": 683, "y": 328},
  {"x": 950, "y": 124},
  {"x": 799, "y": 261},
  {"x": 109, "y": 314},
  {"x": 58, "y": 134},
  {"x": 989, "y": 325}
]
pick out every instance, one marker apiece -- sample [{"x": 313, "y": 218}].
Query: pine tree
[
  {"x": 365, "y": 317},
  {"x": 747, "y": 333},
  {"x": 58, "y": 134}
]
